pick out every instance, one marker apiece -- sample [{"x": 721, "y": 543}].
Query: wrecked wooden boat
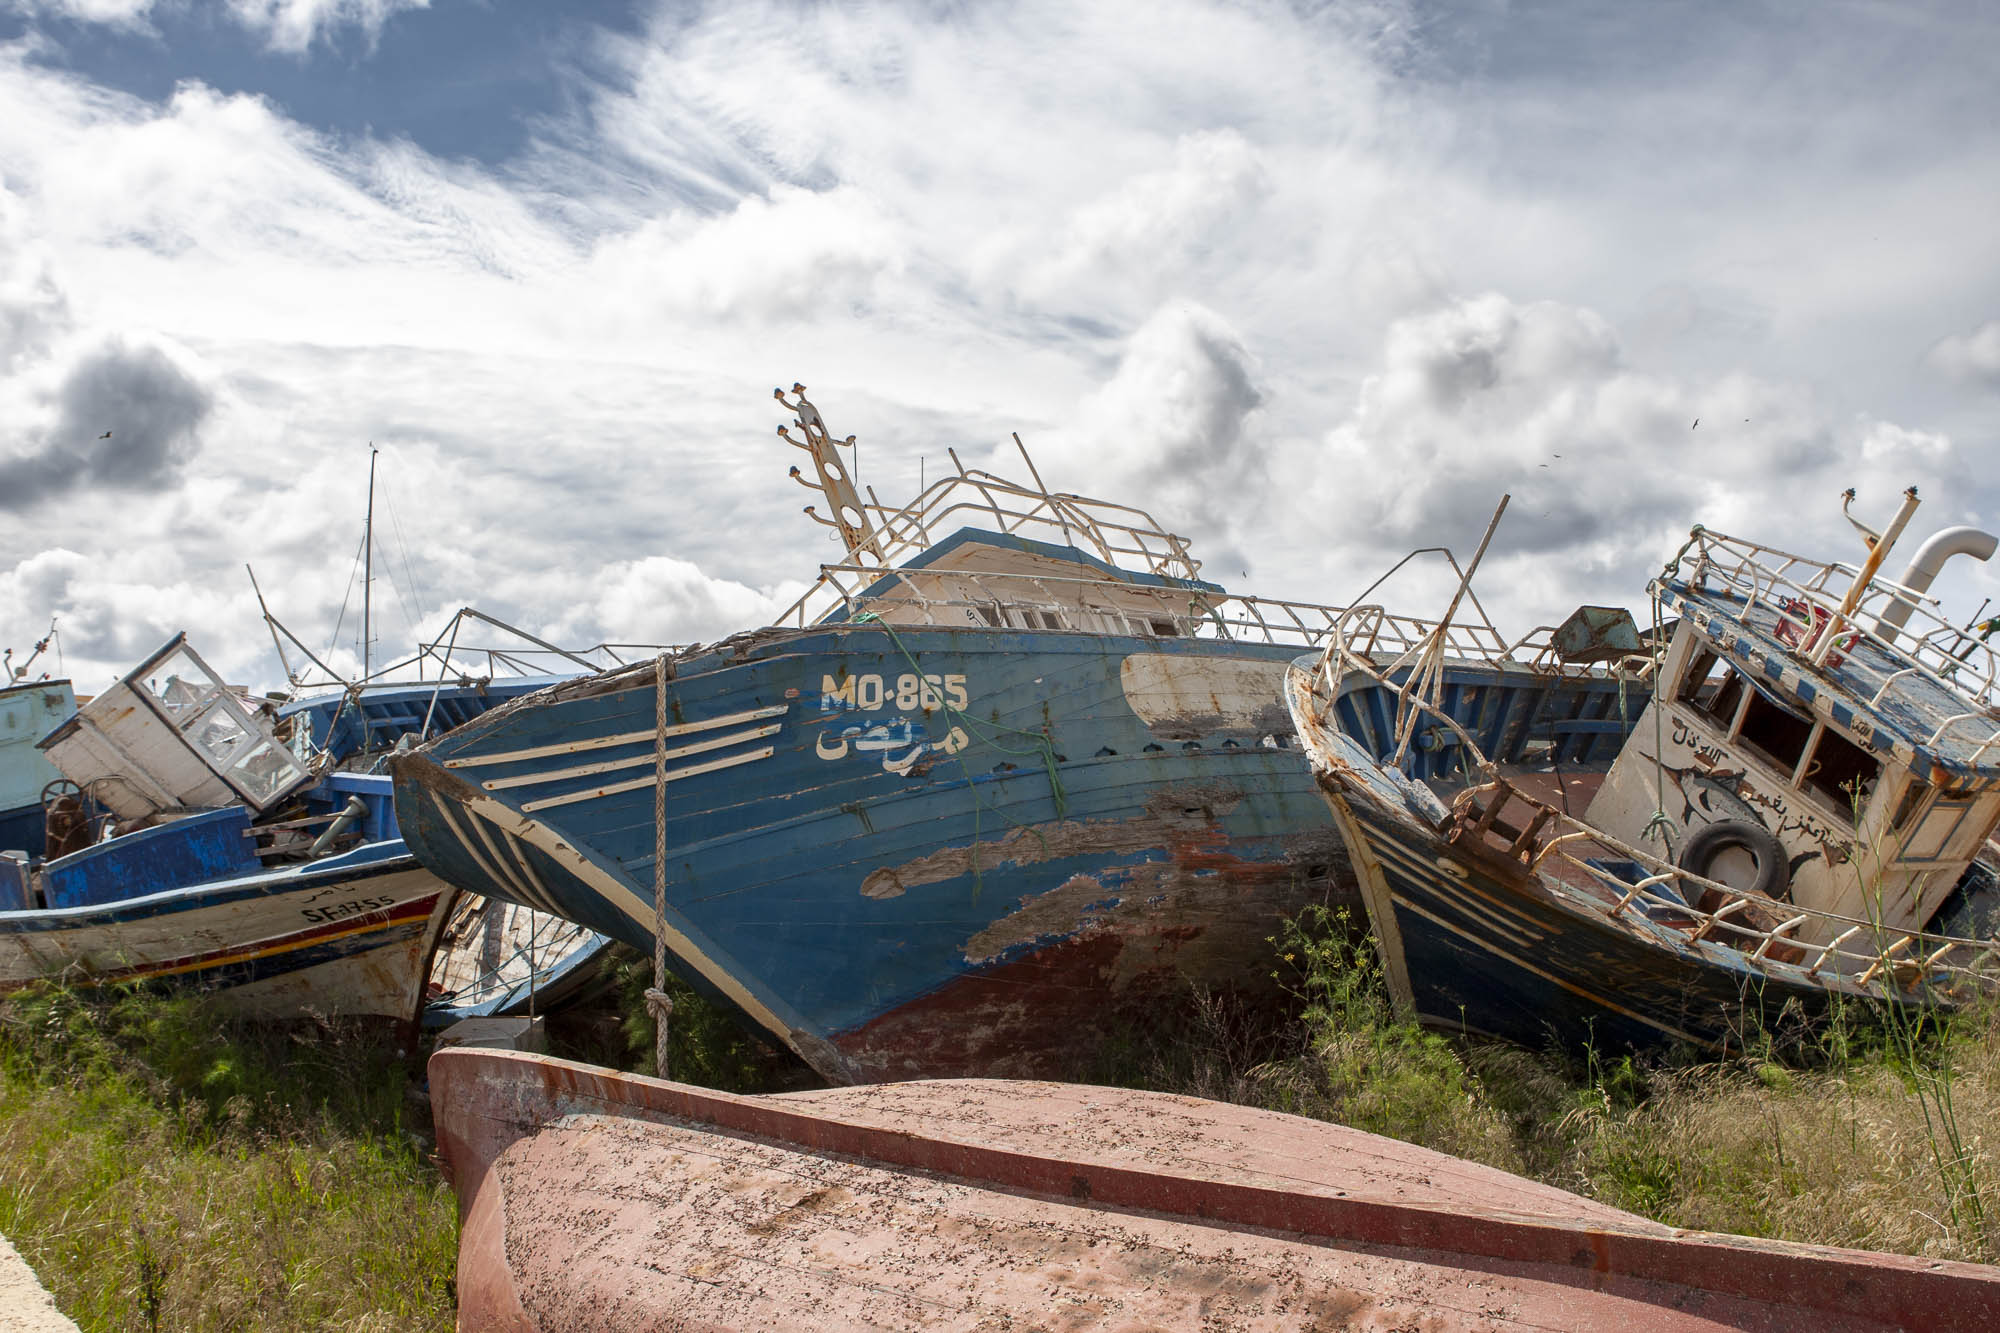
[
  {"x": 1009, "y": 776},
  {"x": 497, "y": 959},
  {"x": 1783, "y": 814},
  {"x": 192, "y": 844},
  {"x": 593, "y": 1199},
  {"x": 195, "y": 838},
  {"x": 491, "y": 958}
]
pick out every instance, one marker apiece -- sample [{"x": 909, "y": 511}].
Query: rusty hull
[{"x": 593, "y": 1199}]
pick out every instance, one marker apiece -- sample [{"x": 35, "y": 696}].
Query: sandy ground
[{"x": 24, "y": 1306}]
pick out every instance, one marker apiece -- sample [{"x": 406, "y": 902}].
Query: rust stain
[{"x": 1174, "y": 815}]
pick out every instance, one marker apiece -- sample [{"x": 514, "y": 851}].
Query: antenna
[{"x": 368, "y": 566}]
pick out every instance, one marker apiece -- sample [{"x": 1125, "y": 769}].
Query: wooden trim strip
[
  {"x": 675, "y": 775},
  {"x": 637, "y": 761},
  {"x": 623, "y": 738}
]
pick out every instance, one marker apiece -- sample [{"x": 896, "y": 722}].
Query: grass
[
  {"x": 1877, "y": 1135},
  {"x": 162, "y": 1166}
]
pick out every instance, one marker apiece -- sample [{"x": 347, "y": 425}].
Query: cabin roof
[
  {"x": 1008, "y": 541},
  {"x": 1897, "y": 713}
]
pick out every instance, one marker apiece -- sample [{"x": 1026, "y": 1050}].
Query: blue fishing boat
[
  {"x": 1784, "y": 810},
  {"x": 1009, "y": 777}
]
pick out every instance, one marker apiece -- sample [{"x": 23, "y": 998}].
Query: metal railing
[
  {"x": 1848, "y": 948},
  {"x": 1046, "y": 602},
  {"x": 1807, "y": 596}
]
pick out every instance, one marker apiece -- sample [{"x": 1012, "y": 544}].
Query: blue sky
[
  {"x": 1314, "y": 283},
  {"x": 458, "y": 80}
]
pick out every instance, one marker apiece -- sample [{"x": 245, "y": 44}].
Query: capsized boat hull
[
  {"x": 597, "y": 1199},
  {"x": 496, "y": 959},
  {"x": 349, "y": 935},
  {"x": 915, "y": 853}
]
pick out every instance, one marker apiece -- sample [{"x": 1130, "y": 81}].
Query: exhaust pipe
[{"x": 1924, "y": 567}]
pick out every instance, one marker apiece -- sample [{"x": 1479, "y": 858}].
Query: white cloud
[
  {"x": 128, "y": 14},
  {"x": 1169, "y": 431},
  {"x": 290, "y": 26},
  {"x": 1970, "y": 358},
  {"x": 1216, "y": 261}
]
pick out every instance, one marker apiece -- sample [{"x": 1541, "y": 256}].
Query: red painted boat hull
[{"x": 596, "y": 1199}]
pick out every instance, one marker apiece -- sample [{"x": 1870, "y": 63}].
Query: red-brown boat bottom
[{"x": 593, "y": 1199}]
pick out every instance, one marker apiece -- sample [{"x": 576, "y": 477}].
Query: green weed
[{"x": 164, "y": 1166}]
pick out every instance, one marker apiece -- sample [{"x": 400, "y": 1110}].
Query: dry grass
[
  {"x": 164, "y": 1168},
  {"x": 1879, "y": 1136}
]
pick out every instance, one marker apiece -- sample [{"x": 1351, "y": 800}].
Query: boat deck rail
[
  {"x": 1111, "y": 531},
  {"x": 1554, "y": 844},
  {"x": 1836, "y": 625},
  {"x": 1559, "y": 848},
  {"x": 1150, "y": 610}
]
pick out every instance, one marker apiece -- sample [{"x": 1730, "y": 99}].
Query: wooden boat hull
[
  {"x": 350, "y": 935},
  {"x": 1095, "y": 827},
  {"x": 1486, "y": 948},
  {"x": 496, "y": 959},
  {"x": 597, "y": 1199}
]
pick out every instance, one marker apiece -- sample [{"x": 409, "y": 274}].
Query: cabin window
[
  {"x": 181, "y": 685},
  {"x": 989, "y": 614},
  {"x": 1697, "y": 682},
  {"x": 1719, "y": 704},
  {"x": 1165, "y": 629},
  {"x": 1938, "y": 831},
  {"x": 1841, "y": 771},
  {"x": 1778, "y": 734},
  {"x": 1050, "y": 620},
  {"x": 1906, "y": 809}
]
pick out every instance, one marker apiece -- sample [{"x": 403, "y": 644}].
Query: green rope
[
  {"x": 1658, "y": 825},
  {"x": 988, "y": 732}
]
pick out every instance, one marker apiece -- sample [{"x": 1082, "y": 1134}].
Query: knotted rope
[{"x": 658, "y": 1003}]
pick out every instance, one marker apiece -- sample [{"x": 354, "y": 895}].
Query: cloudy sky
[{"x": 1316, "y": 283}]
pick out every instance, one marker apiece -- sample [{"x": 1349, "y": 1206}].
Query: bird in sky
[{"x": 105, "y": 436}]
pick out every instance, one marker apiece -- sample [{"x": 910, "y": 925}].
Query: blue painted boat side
[
  {"x": 382, "y": 715},
  {"x": 1488, "y": 946},
  {"x": 1498, "y": 954},
  {"x": 212, "y": 845},
  {"x": 23, "y": 830},
  {"x": 886, "y": 817},
  {"x": 360, "y": 864}
]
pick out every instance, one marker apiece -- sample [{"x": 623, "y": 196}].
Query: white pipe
[{"x": 1924, "y": 567}]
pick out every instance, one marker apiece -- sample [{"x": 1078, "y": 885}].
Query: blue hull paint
[
  {"x": 23, "y": 830},
  {"x": 1495, "y": 953},
  {"x": 372, "y": 902},
  {"x": 821, "y": 843}
]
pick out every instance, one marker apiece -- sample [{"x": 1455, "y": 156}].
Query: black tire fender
[{"x": 1774, "y": 869}]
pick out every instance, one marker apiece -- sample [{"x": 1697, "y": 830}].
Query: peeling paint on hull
[
  {"x": 836, "y": 860},
  {"x": 592, "y": 1199}
]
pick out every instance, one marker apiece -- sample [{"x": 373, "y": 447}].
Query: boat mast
[{"x": 368, "y": 566}]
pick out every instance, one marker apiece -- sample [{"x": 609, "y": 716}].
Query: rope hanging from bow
[{"x": 659, "y": 1004}]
